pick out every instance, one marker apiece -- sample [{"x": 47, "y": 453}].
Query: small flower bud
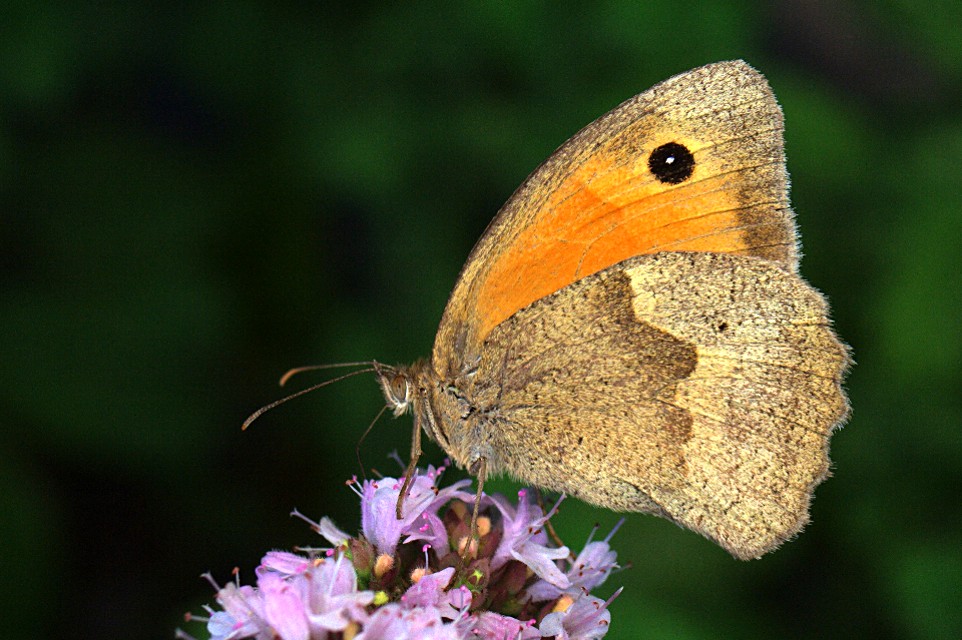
[
  {"x": 466, "y": 550},
  {"x": 484, "y": 526},
  {"x": 383, "y": 564},
  {"x": 563, "y": 603},
  {"x": 417, "y": 574},
  {"x": 351, "y": 630}
]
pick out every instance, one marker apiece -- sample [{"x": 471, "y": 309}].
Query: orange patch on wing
[{"x": 601, "y": 215}]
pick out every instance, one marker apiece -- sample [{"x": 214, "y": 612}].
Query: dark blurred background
[{"x": 196, "y": 196}]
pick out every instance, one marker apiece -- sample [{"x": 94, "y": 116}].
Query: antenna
[{"x": 257, "y": 414}]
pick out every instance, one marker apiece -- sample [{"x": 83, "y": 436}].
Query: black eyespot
[{"x": 671, "y": 163}]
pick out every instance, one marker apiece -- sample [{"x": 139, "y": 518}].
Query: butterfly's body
[{"x": 632, "y": 329}]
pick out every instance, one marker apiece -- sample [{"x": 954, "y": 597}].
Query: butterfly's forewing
[{"x": 604, "y": 196}]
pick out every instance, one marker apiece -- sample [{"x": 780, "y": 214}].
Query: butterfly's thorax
[
  {"x": 444, "y": 407},
  {"x": 465, "y": 418}
]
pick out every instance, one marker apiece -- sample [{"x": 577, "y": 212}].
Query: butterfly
[{"x": 632, "y": 329}]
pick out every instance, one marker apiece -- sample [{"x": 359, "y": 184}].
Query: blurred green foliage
[{"x": 196, "y": 196}]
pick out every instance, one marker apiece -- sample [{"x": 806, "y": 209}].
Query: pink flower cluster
[{"x": 422, "y": 576}]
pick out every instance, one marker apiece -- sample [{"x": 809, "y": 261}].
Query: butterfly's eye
[
  {"x": 671, "y": 163},
  {"x": 399, "y": 389}
]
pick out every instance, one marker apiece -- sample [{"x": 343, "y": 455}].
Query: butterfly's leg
[
  {"x": 412, "y": 465},
  {"x": 479, "y": 469}
]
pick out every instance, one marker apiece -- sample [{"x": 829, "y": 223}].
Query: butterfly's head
[{"x": 398, "y": 386}]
